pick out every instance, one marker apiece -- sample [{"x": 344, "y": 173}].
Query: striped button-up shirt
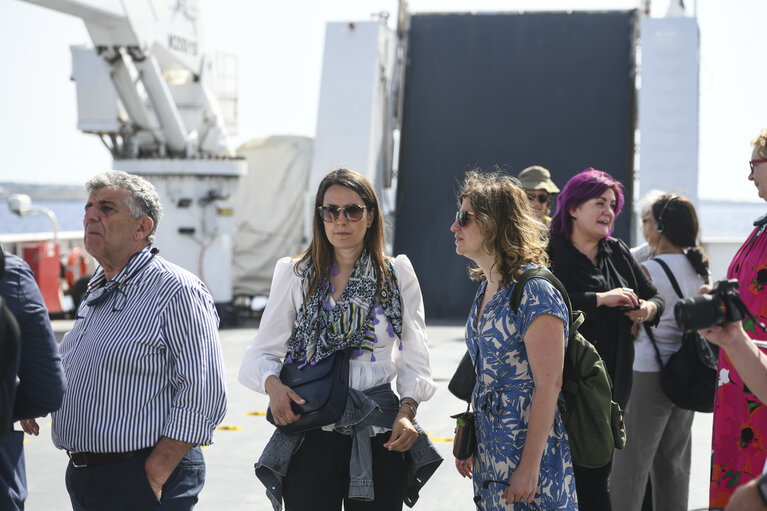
[{"x": 144, "y": 363}]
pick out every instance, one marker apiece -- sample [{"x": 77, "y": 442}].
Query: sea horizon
[{"x": 717, "y": 218}]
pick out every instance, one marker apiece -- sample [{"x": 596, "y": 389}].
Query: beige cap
[{"x": 537, "y": 178}]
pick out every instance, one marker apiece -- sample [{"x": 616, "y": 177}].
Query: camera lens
[{"x": 698, "y": 312}]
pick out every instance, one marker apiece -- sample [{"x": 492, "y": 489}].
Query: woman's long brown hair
[{"x": 320, "y": 251}]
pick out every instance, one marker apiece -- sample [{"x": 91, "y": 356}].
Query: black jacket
[{"x": 606, "y": 327}]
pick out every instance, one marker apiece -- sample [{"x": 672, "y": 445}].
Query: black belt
[{"x": 87, "y": 459}]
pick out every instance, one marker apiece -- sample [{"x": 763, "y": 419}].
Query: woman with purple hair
[{"x": 608, "y": 285}]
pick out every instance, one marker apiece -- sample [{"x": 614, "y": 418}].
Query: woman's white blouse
[{"x": 410, "y": 365}]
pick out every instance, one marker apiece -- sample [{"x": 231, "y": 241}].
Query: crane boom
[{"x": 145, "y": 87}]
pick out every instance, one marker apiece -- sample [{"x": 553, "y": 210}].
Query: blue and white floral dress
[{"x": 503, "y": 396}]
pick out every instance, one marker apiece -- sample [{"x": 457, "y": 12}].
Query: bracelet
[{"x": 410, "y": 403}]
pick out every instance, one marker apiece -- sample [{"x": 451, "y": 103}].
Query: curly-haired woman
[{"x": 522, "y": 461}]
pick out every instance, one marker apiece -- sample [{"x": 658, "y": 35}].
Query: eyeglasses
[
  {"x": 113, "y": 289},
  {"x": 543, "y": 198},
  {"x": 461, "y": 216},
  {"x": 352, "y": 212},
  {"x": 752, "y": 163}
]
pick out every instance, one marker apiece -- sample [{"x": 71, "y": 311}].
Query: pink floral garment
[{"x": 739, "y": 440}]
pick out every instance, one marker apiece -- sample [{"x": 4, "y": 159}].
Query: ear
[
  {"x": 144, "y": 228},
  {"x": 371, "y": 218}
]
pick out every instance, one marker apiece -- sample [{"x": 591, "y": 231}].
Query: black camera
[{"x": 722, "y": 306}]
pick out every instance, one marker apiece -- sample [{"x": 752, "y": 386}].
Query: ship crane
[{"x": 145, "y": 87}]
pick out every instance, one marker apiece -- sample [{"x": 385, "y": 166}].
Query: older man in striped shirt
[{"x": 143, "y": 364}]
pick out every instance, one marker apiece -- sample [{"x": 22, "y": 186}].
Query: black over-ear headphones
[{"x": 662, "y": 227}]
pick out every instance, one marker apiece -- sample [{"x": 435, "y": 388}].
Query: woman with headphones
[{"x": 660, "y": 442}]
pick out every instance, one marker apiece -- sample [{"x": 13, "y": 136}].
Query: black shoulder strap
[
  {"x": 670, "y": 276},
  {"x": 539, "y": 273},
  {"x": 654, "y": 344},
  {"x": 678, "y": 290}
]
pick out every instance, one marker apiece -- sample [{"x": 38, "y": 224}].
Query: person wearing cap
[{"x": 540, "y": 189}]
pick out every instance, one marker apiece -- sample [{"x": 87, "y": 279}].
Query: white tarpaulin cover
[{"x": 269, "y": 209}]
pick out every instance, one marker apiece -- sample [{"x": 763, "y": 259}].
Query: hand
[
  {"x": 522, "y": 485},
  {"x": 403, "y": 434},
  {"x": 162, "y": 461},
  {"x": 30, "y": 427},
  {"x": 645, "y": 312},
  {"x": 746, "y": 498},
  {"x": 464, "y": 466},
  {"x": 155, "y": 483},
  {"x": 620, "y": 296},
  {"x": 280, "y": 397},
  {"x": 725, "y": 335}
]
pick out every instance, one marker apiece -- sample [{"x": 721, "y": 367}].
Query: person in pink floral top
[{"x": 739, "y": 440}]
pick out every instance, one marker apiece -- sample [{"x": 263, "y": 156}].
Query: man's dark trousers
[{"x": 122, "y": 485}]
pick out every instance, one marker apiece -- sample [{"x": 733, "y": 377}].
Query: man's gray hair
[{"x": 143, "y": 201}]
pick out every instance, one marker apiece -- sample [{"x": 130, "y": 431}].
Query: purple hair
[{"x": 581, "y": 187}]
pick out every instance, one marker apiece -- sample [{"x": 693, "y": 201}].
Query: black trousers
[
  {"x": 591, "y": 484},
  {"x": 318, "y": 475}
]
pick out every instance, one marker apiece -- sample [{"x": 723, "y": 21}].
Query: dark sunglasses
[
  {"x": 543, "y": 198},
  {"x": 752, "y": 163},
  {"x": 462, "y": 216},
  {"x": 352, "y": 212}
]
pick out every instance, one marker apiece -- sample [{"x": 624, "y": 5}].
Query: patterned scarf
[{"x": 321, "y": 329}]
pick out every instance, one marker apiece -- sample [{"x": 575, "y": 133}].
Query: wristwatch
[{"x": 761, "y": 487}]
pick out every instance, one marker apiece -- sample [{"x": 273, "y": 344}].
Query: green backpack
[{"x": 594, "y": 422}]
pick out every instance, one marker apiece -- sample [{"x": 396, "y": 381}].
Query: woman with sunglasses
[
  {"x": 522, "y": 460},
  {"x": 540, "y": 189},
  {"x": 740, "y": 416},
  {"x": 661, "y": 432},
  {"x": 344, "y": 293},
  {"x": 608, "y": 285}
]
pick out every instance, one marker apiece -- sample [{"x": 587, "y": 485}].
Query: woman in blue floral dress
[{"x": 523, "y": 459}]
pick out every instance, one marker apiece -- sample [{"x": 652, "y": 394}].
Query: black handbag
[
  {"x": 324, "y": 386},
  {"x": 689, "y": 377},
  {"x": 462, "y": 383}
]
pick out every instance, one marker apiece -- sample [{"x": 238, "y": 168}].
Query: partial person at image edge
[
  {"x": 41, "y": 384},
  {"x": 738, "y": 456}
]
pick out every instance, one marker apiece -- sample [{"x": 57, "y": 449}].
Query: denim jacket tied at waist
[{"x": 377, "y": 406}]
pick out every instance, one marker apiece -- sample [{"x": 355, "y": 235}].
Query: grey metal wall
[{"x": 554, "y": 89}]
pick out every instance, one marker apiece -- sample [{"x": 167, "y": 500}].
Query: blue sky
[{"x": 279, "y": 48}]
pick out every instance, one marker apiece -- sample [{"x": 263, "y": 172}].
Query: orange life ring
[{"x": 76, "y": 266}]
